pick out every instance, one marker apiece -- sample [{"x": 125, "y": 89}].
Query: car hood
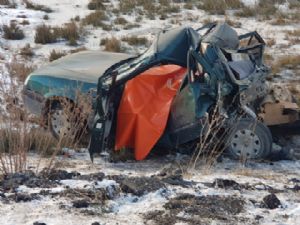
[{"x": 85, "y": 66}]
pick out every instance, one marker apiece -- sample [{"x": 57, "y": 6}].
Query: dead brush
[
  {"x": 45, "y": 34},
  {"x": 8, "y": 3},
  {"x": 21, "y": 135},
  {"x": 289, "y": 62},
  {"x": 95, "y": 19},
  {"x": 27, "y": 51},
  {"x": 17, "y": 134},
  {"x": 111, "y": 44},
  {"x": 54, "y": 55},
  {"x": 214, "y": 138},
  {"x": 96, "y": 4},
  {"x": 135, "y": 40},
  {"x": 13, "y": 32},
  {"x": 19, "y": 70},
  {"x": 219, "y": 6},
  {"x": 33, "y": 6}
]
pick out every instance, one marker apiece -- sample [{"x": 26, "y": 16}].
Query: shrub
[
  {"x": 131, "y": 26},
  {"x": 4, "y": 2},
  {"x": 246, "y": 12},
  {"x": 80, "y": 49},
  {"x": 127, "y": 6},
  {"x": 8, "y": 3},
  {"x": 270, "y": 42},
  {"x": 27, "y": 51},
  {"x": 219, "y": 6},
  {"x": 111, "y": 44},
  {"x": 46, "y": 17},
  {"x": 13, "y": 32},
  {"x": 265, "y": 9},
  {"x": 293, "y": 36},
  {"x": 70, "y": 32},
  {"x": 134, "y": 40},
  {"x": 25, "y": 22},
  {"x": 44, "y": 34},
  {"x": 120, "y": 21},
  {"x": 77, "y": 18},
  {"x": 95, "y": 5},
  {"x": 290, "y": 62},
  {"x": 19, "y": 70},
  {"x": 213, "y": 140},
  {"x": 38, "y": 7},
  {"x": 96, "y": 18},
  {"x": 233, "y": 23},
  {"x": 54, "y": 55}
]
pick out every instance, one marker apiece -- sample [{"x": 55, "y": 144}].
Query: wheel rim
[
  {"x": 60, "y": 123},
  {"x": 246, "y": 144}
]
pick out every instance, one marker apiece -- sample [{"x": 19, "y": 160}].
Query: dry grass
[
  {"x": 270, "y": 42},
  {"x": 233, "y": 23},
  {"x": 295, "y": 90},
  {"x": 111, "y": 44},
  {"x": 95, "y": 5},
  {"x": 246, "y": 12},
  {"x": 95, "y": 19},
  {"x": 69, "y": 31},
  {"x": 38, "y": 7},
  {"x": 13, "y": 32},
  {"x": 24, "y": 22},
  {"x": 19, "y": 134},
  {"x": 266, "y": 10},
  {"x": 131, "y": 26},
  {"x": 121, "y": 21},
  {"x": 46, "y": 17},
  {"x": 80, "y": 49},
  {"x": 27, "y": 51},
  {"x": 213, "y": 139},
  {"x": 44, "y": 34},
  {"x": 293, "y": 36},
  {"x": 219, "y": 6},
  {"x": 4, "y": 2},
  {"x": 8, "y": 3},
  {"x": 294, "y": 33},
  {"x": 19, "y": 70},
  {"x": 135, "y": 40},
  {"x": 54, "y": 55},
  {"x": 286, "y": 62}
]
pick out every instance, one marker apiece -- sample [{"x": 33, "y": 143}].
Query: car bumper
[{"x": 33, "y": 101}]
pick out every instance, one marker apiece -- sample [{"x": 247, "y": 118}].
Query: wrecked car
[
  {"x": 60, "y": 80},
  {"x": 162, "y": 98}
]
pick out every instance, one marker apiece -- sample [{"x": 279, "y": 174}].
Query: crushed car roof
[
  {"x": 85, "y": 66},
  {"x": 173, "y": 45}
]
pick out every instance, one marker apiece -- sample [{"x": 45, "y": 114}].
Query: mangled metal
[{"x": 222, "y": 67}]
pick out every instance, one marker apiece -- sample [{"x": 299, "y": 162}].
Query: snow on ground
[
  {"x": 254, "y": 181},
  {"x": 54, "y": 207}
]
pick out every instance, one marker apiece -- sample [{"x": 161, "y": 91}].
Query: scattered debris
[
  {"x": 271, "y": 201},
  {"x": 81, "y": 203},
  {"x": 140, "y": 185},
  {"x": 226, "y": 184},
  {"x": 198, "y": 209}
]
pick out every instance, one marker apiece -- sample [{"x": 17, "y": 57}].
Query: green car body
[{"x": 67, "y": 76}]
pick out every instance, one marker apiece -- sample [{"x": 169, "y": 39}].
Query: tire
[
  {"x": 250, "y": 139},
  {"x": 63, "y": 121},
  {"x": 58, "y": 121}
]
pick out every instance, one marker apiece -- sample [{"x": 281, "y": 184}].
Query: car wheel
[
  {"x": 59, "y": 121},
  {"x": 250, "y": 140}
]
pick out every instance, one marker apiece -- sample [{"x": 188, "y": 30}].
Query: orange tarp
[{"x": 145, "y": 107}]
